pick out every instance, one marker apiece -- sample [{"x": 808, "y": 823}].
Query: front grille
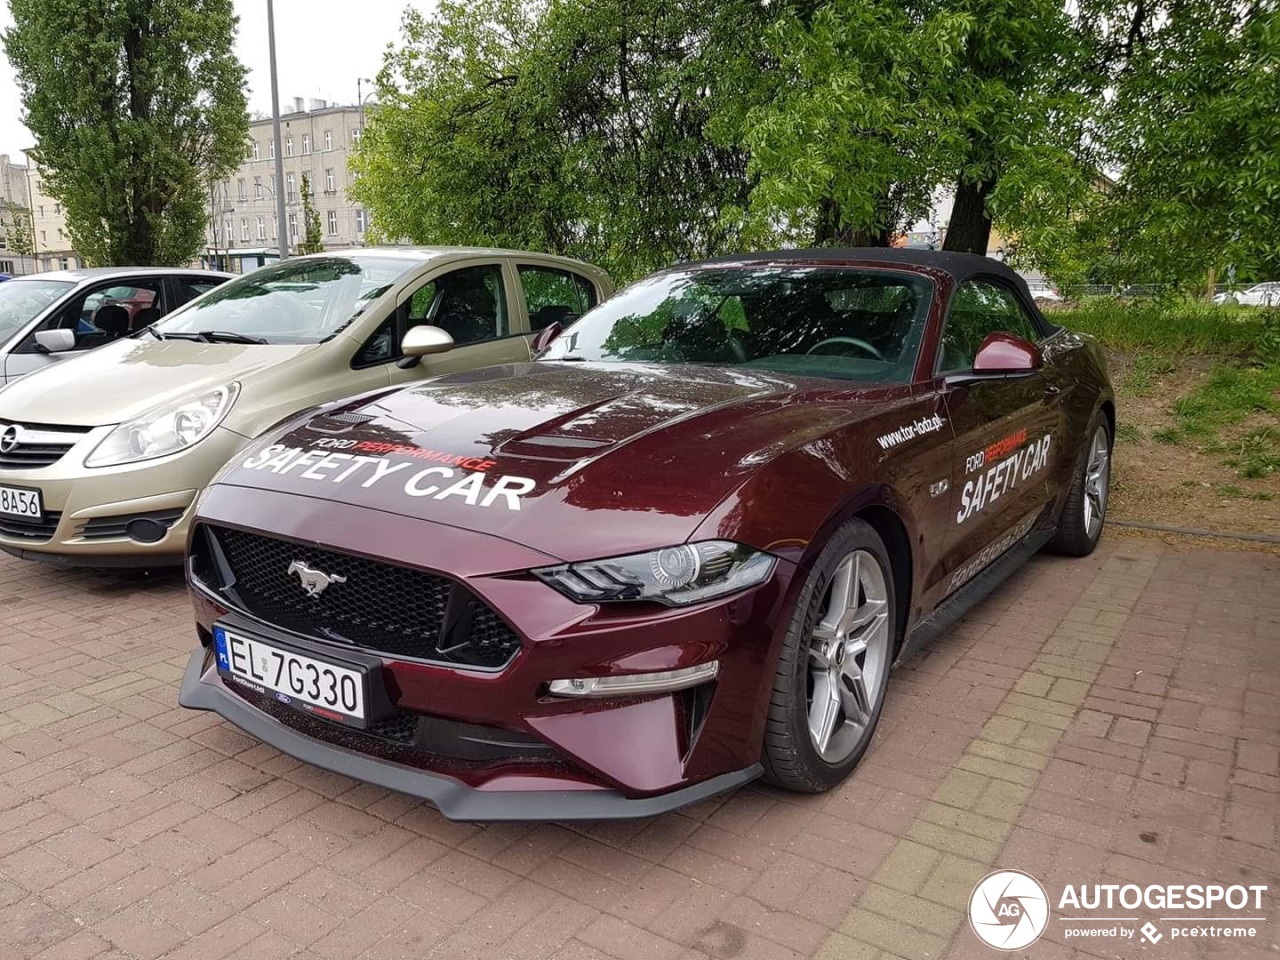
[
  {"x": 36, "y": 531},
  {"x": 382, "y": 607},
  {"x": 27, "y": 446},
  {"x": 114, "y": 528}
]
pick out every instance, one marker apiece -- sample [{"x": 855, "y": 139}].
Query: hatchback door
[{"x": 1008, "y": 430}]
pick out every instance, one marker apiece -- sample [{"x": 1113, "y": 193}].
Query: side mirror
[
  {"x": 1003, "y": 354},
  {"x": 55, "y": 341},
  {"x": 545, "y": 337},
  {"x": 424, "y": 340}
]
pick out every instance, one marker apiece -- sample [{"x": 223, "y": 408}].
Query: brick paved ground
[{"x": 1107, "y": 720}]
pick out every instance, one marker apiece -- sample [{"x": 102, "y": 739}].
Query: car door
[
  {"x": 1008, "y": 429},
  {"x": 96, "y": 315},
  {"x": 471, "y": 301}
]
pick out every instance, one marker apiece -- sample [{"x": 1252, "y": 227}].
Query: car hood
[
  {"x": 124, "y": 379},
  {"x": 575, "y": 460}
]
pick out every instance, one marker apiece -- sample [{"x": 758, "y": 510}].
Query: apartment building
[{"x": 318, "y": 142}]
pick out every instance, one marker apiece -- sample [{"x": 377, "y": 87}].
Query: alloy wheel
[
  {"x": 1097, "y": 477},
  {"x": 848, "y": 657}
]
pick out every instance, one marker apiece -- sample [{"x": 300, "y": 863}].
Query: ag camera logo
[{"x": 1008, "y": 910}]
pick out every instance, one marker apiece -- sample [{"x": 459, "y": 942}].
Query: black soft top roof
[{"x": 958, "y": 265}]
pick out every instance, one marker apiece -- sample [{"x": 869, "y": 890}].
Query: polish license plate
[
  {"x": 20, "y": 502},
  {"x": 305, "y": 683}
]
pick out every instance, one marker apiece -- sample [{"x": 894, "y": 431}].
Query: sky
[{"x": 322, "y": 48}]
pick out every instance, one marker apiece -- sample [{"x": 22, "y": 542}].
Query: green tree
[
  {"x": 580, "y": 127},
  {"x": 873, "y": 105},
  {"x": 135, "y": 105},
  {"x": 1188, "y": 126},
  {"x": 20, "y": 235},
  {"x": 312, "y": 241}
]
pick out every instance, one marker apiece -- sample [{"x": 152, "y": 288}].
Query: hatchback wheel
[{"x": 834, "y": 666}]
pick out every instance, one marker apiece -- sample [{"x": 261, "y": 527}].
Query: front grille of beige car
[
  {"x": 34, "y": 531},
  {"x": 25, "y": 446}
]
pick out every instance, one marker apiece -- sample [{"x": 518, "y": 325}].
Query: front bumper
[
  {"x": 605, "y": 757},
  {"x": 203, "y": 690},
  {"x": 87, "y": 508}
]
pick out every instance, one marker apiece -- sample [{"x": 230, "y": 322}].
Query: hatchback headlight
[
  {"x": 676, "y": 576},
  {"x": 164, "y": 430}
]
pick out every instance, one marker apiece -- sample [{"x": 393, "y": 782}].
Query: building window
[
  {"x": 271, "y": 152},
  {"x": 227, "y": 232},
  {"x": 57, "y": 209},
  {"x": 328, "y": 139},
  {"x": 355, "y": 137},
  {"x": 293, "y": 226},
  {"x": 240, "y": 190},
  {"x": 257, "y": 152},
  {"x": 290, "y": 186},
  {"x": 257, "y": 188},
  {"x": 333, "y": 223},
  {"x": 42, "y": 209},
  {"x": 362, "y": 221},
  {"x": 262, "y": 229},
  {"x": 306, "y": 143},
  {"x": 330, "y": 181},
  {"x": 44, "y": 237},
  {"x": 288, "y": 146},
  {"x": 244, "y": 228},
  {"x": 272, "y": 180},
  {"x": 226, "y": 190},
  {"x": 6, "y": 266},
  {"x": 61, "y": 235}
]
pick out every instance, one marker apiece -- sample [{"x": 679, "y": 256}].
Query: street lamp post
[{"x": 275, "y": 122}]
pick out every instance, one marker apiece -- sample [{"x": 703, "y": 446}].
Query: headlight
[
  {"x": 676, "y": 576},
  {"x": 164, "y": 430}
]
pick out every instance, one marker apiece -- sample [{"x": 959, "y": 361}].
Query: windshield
[
  {"x": 22, "y": 300},
  {"x": 297, "y": 301},
  {"x": 844, "y": 323}
]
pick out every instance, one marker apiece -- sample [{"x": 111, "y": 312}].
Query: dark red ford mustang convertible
[{"x": 679, "y": 551}]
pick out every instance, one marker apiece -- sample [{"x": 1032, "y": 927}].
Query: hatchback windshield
[
  {"x": 850, "y": 324},
  {"x": 297, "y": 301},
  {"x": 22, "y": 300}
]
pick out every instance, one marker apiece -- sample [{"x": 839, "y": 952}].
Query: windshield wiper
[{"x": 226, "y": 336}]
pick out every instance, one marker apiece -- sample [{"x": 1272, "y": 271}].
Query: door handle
[{"x": 1051, "y": 391}]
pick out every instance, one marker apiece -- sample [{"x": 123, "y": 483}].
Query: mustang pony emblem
[{"x": 315, "y": 582}]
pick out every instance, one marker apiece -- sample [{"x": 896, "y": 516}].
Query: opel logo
[
  {"x": 9, "y": 439},
  {"x": 314, "y": 582}
]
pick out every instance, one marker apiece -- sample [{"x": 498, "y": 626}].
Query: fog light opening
[
  {"x": 146, "y": 530},
  {"x": 664, "y": 681}
]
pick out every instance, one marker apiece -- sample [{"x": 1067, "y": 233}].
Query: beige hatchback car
[{"x": 101, "y": 456}]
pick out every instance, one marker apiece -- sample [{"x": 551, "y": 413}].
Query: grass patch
[
  {"x": 1128, "y": 433},
  {"x": 1173, "y": 327},
  {"x": 1229, "y": 396},
  {"x": 1147, "y": 368}
]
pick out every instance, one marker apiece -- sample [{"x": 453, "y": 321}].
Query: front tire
[
  {"x": 833, "y": 669},
  {"x": 1085, "y": 509}
]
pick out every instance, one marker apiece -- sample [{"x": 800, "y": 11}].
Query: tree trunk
[
  {"x": 831, "y": 230},
  {"x": 970, "y": 228}
]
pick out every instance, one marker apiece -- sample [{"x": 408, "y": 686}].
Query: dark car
[{"x": 679, "y": 551}]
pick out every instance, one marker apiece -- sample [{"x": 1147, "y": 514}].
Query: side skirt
[{"x": 949, "y": 612}]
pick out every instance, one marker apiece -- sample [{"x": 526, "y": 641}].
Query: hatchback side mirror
[
  {"x": 55, "y": 341},
  {"x": 1003, "y": 354},
  {"x": 424, "y": 340}
]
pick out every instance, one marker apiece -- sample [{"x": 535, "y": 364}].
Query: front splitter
[{"x": 454, "y": 799}]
